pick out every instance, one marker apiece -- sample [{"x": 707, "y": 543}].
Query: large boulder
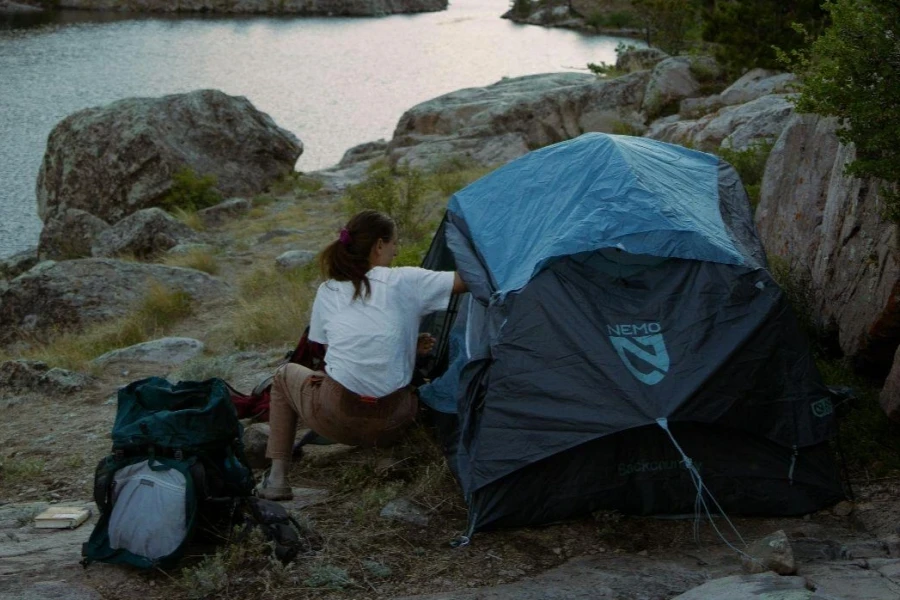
[
  {"x": 70, "y": 234},
  {"x": 164, "y": 351},
  {"x": 737, "y": 127},
  {"x": 114, "y": 160},
  {"x": 856, "y": 273},
  {"x": 500, "y": 122},
  {"x": 830, "y": 229},
  {"x": 146, "y": 233},
  {"x": 65, "y": 295},
  {"x": 676, "y": 78},
  {"x": 757, "y": 83},
  {"x": 794, "y": 189}
]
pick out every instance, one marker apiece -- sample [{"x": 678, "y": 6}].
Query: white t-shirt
[{"x": 372, "y": 340}]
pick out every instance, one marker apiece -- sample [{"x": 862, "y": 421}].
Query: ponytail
[{"x": 347, "y": 258}]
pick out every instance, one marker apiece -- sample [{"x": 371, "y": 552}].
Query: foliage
[
  {"x": 451, "y": 175},
  {"x": 297, "y": 183},
  {"x": 750, "y": 163},
  {"x": 666, "y": 23},
  {"x": 852, "y": 71},
  {"x": 205, "y": 367},
  {"x": 401, "y": 194},
  {"x": 747, "y": 32},
  {"x": 613, "y": 20},
  {"x": 521, "y": 8},
  {"x": 20, "y": 469},
  {"x": 191, "y": 191},
  {"x": 605, "y": 69},
  {"x": 869, "y": 441}
]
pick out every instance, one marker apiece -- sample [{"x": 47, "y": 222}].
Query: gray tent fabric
[{"x": 553, "y": 392}]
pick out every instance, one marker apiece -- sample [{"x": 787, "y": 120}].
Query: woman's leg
[{"x": 284, "y": 403}]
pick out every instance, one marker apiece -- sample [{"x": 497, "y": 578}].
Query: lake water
[{"x": 333, "y": 82}]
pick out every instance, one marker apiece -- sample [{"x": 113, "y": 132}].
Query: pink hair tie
[{"x": 345, "y": 238}]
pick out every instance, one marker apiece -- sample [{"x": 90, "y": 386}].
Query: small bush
[
  {"x": 750, "y": 164},
  {"x": 205, "y": 367},
  {"x": 191, "y": 191},
  {"x": 328, "y": 576},
  {"x": 402, "y": 194},
  {"x": 613, "y": 20},
  {"x": 604, "y": 70}
]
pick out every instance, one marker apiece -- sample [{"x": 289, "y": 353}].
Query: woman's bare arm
[{"x": 459, "y": 286}]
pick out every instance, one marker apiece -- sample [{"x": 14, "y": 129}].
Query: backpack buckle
[{"x": 179, "y": 455}]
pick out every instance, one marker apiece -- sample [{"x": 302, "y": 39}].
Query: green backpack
[{"x": 177, "y": 458}]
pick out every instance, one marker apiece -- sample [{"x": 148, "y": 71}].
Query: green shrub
[
  {"x": 750, "y": 164},
  {"x": 191, "y": 191},
  {"x": 401, "y": 194},
  {"x": 613, "y": 20},
  {"x": 747, "y": 32},
  {"x": 667, "y": 23},
  {"x": 852, "y": 72}
]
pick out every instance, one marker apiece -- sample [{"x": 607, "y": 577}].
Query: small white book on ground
[{"x": 62, "y": 517}]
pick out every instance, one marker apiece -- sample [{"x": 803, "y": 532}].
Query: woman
[{"x": 367, "y": 315}]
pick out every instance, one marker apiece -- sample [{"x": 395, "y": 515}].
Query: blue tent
[{"x": 621, "y": 325}]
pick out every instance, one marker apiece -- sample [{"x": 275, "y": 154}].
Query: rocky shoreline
[{"x": 337, "y": 8}]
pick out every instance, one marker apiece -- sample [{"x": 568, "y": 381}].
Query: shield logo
[{"x": 650, "y": 350}]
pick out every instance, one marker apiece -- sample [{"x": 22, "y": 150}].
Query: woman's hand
[{"x": 425, "y": 344}]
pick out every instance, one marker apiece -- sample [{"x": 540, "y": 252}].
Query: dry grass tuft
[
  {"x": 158, "y": 311},
  {"x": 201, "y": 260},
  {"x": 189, "y": 217},
  {"x": 273, "y": 306}
]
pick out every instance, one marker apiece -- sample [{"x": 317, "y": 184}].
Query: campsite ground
[{"x": 51, "y": 444}]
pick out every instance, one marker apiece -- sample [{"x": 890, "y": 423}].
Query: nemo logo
[{"x": 642, "y": 348}]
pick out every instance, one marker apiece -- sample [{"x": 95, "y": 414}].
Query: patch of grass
[
  {"x": 73, "y": 461},
  {"x": 328, "y": 576},
  {"x": 205, "y": 367},
  {"x": 263, "y": 200},
  {"x": 21, "y": 469},
  {"x": 273, "y": 306},
  {"x": 620, "y": 19},
  {"x": 750, "y": 164},
  {"x": 246, "y": 564},
  {"x": 199, "y": 259},
  {"x": 451, "y": 175},
  {"x": 160, "y": 308},
  {"x": 189, "y": 217},
  {"x": 191, "y": 191}
]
